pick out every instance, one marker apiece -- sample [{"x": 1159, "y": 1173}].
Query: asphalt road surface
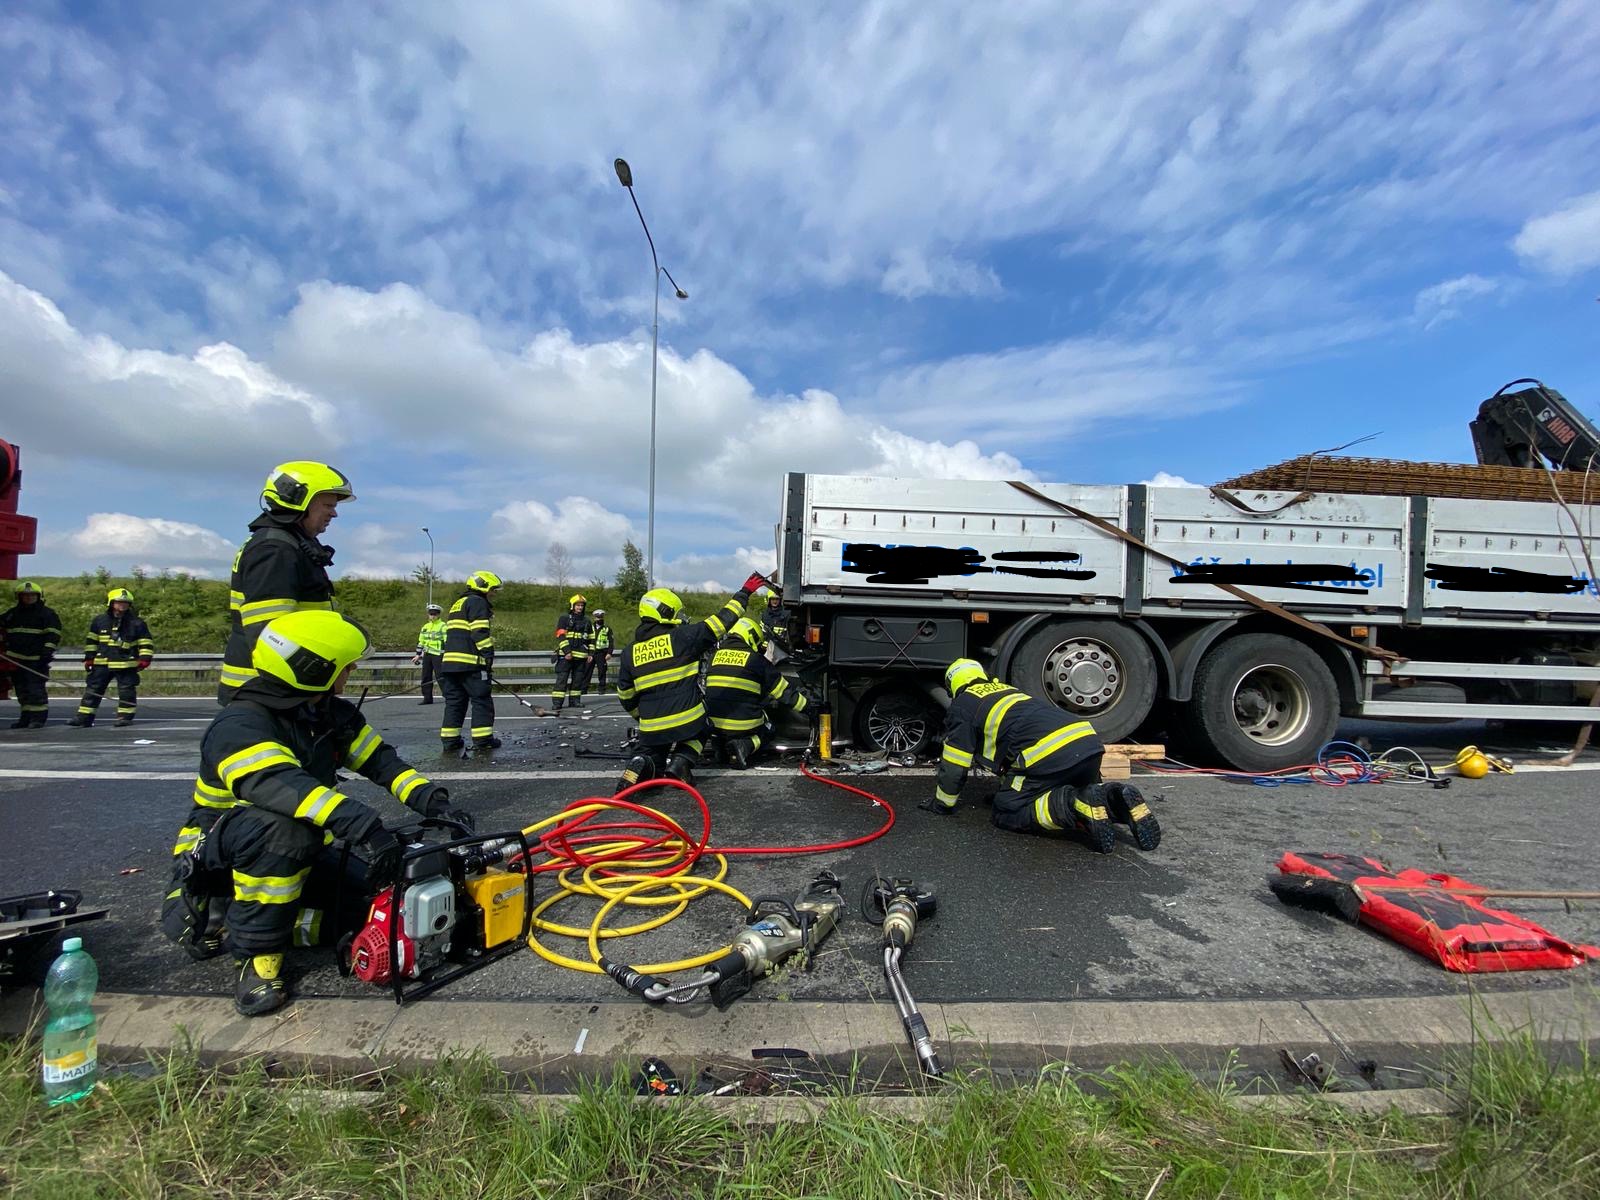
[{"x": 1020, "y": 918}]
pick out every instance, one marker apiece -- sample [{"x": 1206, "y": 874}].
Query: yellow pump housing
[{"x": 500, "y": 895}]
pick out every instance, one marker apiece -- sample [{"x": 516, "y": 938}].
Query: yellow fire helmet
[
  {"x": 27, "y": 587},
  {"x": 483, "y": 581},
  {"x": 750, "y": 633},
  {"x": 307, "y": 650},
  {"x": 962, "y": 673},
  {"x": 661, "y": 605},
  {"x": 575, "y": 600},
  {"x": 116, "y": 594},
  {"x": 291, "y": 486}
]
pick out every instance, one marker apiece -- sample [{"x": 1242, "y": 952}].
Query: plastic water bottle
[{"x": 71, "y": 1063}]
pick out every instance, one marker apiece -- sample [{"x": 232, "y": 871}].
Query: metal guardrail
[{"x": 515, "y": 667}]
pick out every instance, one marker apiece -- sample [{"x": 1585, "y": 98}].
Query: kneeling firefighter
[
  {"x": 266, "y": 806},
  {"x": 658, "y": 681},
  {"x": 1049, "y": 769},
  {"x": 740, "y": 686}
]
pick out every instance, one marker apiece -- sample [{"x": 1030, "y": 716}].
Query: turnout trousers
[
  {"x": 461, "y": 689},
  {"x": 99, "y": 683},
  {"x": 571, "y": 677},
  {"x": 1045, "y": 805},
  {"x": 601, "y": 666},
  {"x": 33, "y": 698},
  {"x": 430, "y": 669}
]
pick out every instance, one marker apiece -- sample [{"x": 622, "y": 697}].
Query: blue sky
[{"x": 1094, "y": 242}]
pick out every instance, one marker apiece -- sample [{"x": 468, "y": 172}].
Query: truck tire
[
  {"x": 896, "y": 719},
  {"x": 1100, "y": 671},
  {"x": 1261, "y": 702}
]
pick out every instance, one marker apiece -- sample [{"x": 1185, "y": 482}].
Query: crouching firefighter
[
  {"x": 740, "y": 686},
  {"x": 267, "y": 807},
  {"x": 1049, "y": 769},
  {"x": 658, "y": 682}
]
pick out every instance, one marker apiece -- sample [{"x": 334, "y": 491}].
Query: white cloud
[
  {"x": 1167, "y": 479},
  {"x": 121, "y": 540},
  {"x": 1444, "y": 301},
  {"x": 1565, "y": 241},
  {"x": 911, "y": 274},
  {"x": 590, "y": 533},
  {"x": 215, "y": 411}
]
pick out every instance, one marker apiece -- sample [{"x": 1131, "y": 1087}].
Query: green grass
[
  {"x": 1526, "y": 1129},
  {"x": 190, "y": 616}
]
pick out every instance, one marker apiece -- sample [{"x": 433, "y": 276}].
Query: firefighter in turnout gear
[
  {"x": 467, "y": 661},
  {"x": 430, "y": 650},
  {"x": 1049, "y": 768},
  {"x": 574, "y": 640},
  {"x": 282, "y": 567},
  {"x": 267, "y": 803},
  {"x": 775, "y": 625},
  {"x": 658, "y": 682},
  {"x": 118, "y": 648},
  {"x": 740, "y": 686},
  {"x": 604, "y": 640},
  {"x": 29, "y": 634}
]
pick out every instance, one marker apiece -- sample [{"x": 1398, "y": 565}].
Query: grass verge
[{"x": 1526, "y": 1129}]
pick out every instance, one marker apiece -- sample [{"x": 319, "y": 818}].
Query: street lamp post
[
  {"x": 625, "y": 177},
  {"x": 430, "y": 564}
]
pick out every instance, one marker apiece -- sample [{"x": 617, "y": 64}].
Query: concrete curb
[{"x": 552, "y": 1046}]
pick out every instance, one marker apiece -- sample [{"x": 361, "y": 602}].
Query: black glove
[
  {"x": 383, "y": 856},
  {"x": 439, "y": 806}
]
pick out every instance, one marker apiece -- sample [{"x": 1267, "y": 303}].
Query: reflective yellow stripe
[
  {"x": 1050, "y": 743},
  {"x": 257, "y": 612},
  {"x": 207, "y": 796},
  {"x": 991, "y": 727},
  {"x": 657, "y": 724},
  {"x": 957, "y": 758},
  {"x": 188, "y": 839},
  {"x": 365, "y": 743},
  {"x": 734, "y": 682},
  {"x": 737, "y": 725},
  {"x": 269, "y": 889},
  {"x": 313, "y": 606},
  {"x": 409, "y": 781},
  {"x": 1041, "y": 812},
  {"x": 482, "y": 731},
  {"x": 318, "y": 806},
  {"x": 449, "y": 731},
  {"x": 642, "y": 683},
  {"x": 472, "y": 624},
  {"x": 235, "y": 599},
  {"x": 944, "y": 797},
  {"x": 252, "y": 759},
  {"x": 779, "y": 688},
  {"x": 308, "y": 927},
  {"x": 457, "y": 656},
  {"x": 237, "y": 676}
]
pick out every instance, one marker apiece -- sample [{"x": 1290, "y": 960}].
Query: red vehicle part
[
  {"x": 18, "y": 534},
  {"x": 369, "y": 952},
  {"x": 1460, "y": 933}
]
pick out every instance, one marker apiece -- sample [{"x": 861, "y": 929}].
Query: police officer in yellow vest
[
  {"x": 1049, "y": 767},
  {"x": 604, "y": 643},
  {"x": 430, "y": 650}
]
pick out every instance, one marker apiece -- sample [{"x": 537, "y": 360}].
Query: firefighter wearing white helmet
[
  {"x": 29, "y": 634},
  {"x": 466, "y": 664},
  {"x": 1049, "y": 767},
  {"x": 658, "y": 681},
  {"x": 118, "y": 647},
  {"x": 604, "y": 643},
  {"x": 430, "y": 650},
  {"x": 574, "y": 644},
  {"x": 267, "y": 801},
  {"x": 281, "y": 567},
  {"x": 740, "y": 686}
]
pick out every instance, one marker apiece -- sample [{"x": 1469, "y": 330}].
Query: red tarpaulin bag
[{"x": 1460, "y": 933}]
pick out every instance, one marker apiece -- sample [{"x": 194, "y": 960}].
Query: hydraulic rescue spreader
[{"x": 898, "y": 905}]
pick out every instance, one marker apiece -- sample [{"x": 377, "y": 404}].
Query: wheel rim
[
  {"x": 1083, "y": 675},
  {"x": 896, "y": 725},
  {"x": 1271, "y": 705}
]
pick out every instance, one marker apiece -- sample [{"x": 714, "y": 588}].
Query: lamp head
[
  {"x": 682, "y": 295},
  {"x": 624, "y": 175}
]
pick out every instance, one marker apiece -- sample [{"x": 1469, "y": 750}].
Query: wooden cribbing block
[
  {"x": 1150, "y": 750},
  {"x": 1114, "y": 766}
]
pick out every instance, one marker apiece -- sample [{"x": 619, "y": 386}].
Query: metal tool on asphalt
[
  {"x": 536, "y": 709},
  {"x": 898, "y": 905}
]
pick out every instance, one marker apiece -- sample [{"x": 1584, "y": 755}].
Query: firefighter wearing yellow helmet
[
  {"x": 118, "y": 647},
  {"x": 574, "y": 645},
  {"x": 740, "y": 686},
  {"x": 282, "y": 567},
  {"x": 30, "y": 631},
  {"x": 267, "y": 800},
  {"x": 1049, "y": 767},
  {"x": 658, "y": 681},
  {"x": 466, "y": 664}
]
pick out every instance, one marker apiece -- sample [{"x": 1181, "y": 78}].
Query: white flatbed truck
[{"x": 1252, "y": 620}]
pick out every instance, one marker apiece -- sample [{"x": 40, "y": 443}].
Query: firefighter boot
[
  {"x": 81, "y": 721},
  {"x": 640, "y": 767},
  {"x": 739, "y": 751},
  {"x": 1092, "y": 819},
  {"x": 22, "y": 724},
  {"x": 121, "y": 721},
  {"x": 452, "y": 745},
  {"x": 1126, "y": 805},
  {"x": 681, "y": 768},
  {"x": 261, "y": 989}
]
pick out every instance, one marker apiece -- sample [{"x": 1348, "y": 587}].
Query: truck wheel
[
  {"x": 1261, "y": 702},
  {"x": 1098, "y": 671},
  {"x": 895, "y": 719}
]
